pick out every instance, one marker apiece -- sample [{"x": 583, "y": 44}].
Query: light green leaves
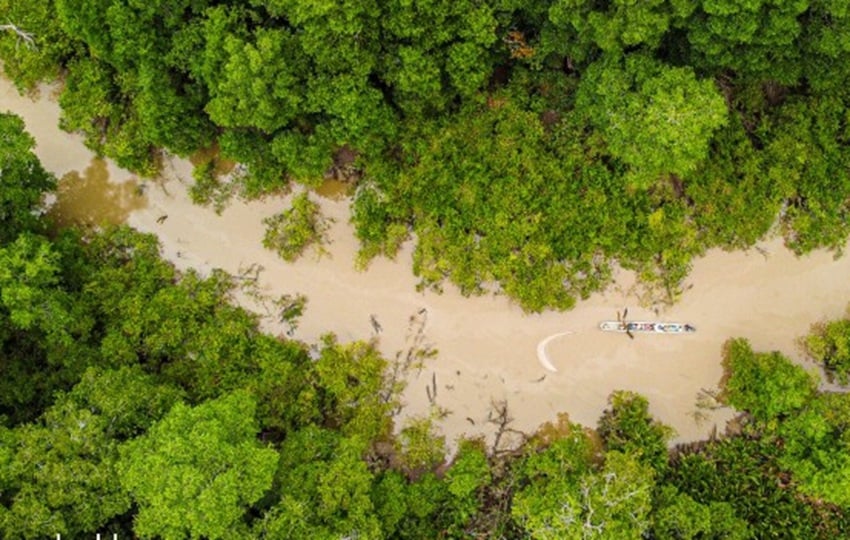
[
  {"x": 259, "y": 83},
  {"x": 30, "y": 292},
  {"x": 829, "y": 344},
  {"x": 754, "y": 38},
  {"x": 657, "y": 119},
  {"x": 60, "y": 473},
  {"x": 612, "y": 503},
  {"x": 626, "y": 426},
  {"x": 295, "y": 229},
  {"x": 625, "y": 23},
  {"x": 197, "y": 470},
  {"x": 767, "y": 385}
]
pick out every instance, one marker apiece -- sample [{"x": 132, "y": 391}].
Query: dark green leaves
[{"x": 23, "y": 180}]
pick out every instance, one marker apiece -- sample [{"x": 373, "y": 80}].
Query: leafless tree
[
  {"x": 412, "y": 357},
  {"x": 499, "y": 416}
]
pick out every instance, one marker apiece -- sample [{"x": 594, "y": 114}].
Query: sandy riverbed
[{"x": 487, "y": 347}]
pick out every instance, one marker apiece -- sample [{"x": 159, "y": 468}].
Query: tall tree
[
  {"x": 61, "y": 475},
  {"x": 197, "y": 471},
  {"x": 33, "y": 45},
  {"x": 767, "y": 385},
  {"x": 616, "y": 26},
  {"x": 627, "y": 427},
  {"x": 754, "y": 38},
  {"x": 828, "y": 343},
  {"x": 657, "y": 119},
  {"x": 23, "y": 180},
  {"x": 816, "y": 444}
]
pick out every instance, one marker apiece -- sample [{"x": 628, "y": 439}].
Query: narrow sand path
[{"x": 487, "y": 345}]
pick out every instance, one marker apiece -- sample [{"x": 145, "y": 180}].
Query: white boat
[{"x": 646, "y": 327}]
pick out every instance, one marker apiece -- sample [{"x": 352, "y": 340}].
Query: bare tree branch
[
  {"x": 502, "y": 419},
  {"x": 23, "y": 35}
]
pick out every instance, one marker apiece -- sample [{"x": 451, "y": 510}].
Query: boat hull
[{"x": 646, "y": 327}]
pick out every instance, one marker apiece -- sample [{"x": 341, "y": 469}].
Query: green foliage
[
  {"x": 286, "y": 397},
  {"x": 755, "y": 38},
  {"x": 257, "y": 83},
  {"x": 44, "y": 328},
  {"x": 677, "y": 516},
  {"x": 657, "y": 119},
  {"x": 615, "y": 26},
  {"x": 296, "y": 228},
  {"x": 126, "y": 95},
  {"x": 418, "y": 446},
  {"x": 354, "y": 398},
  {"x": 517, "y": 141},
  {"x": 62, "y": 475},
  {"x": 807, "y": 144},
  {"x": 186, "y": 331},
  {"x": 825, "y": 40},
  {"x": 736, "y": 202},
  {"x": 550, "y": 498},
  {"x": 28, "y": 275},
  {"x": 627, "y": 427},
  {"x": 817, "y": 448},
  {"x": 829, "y": 344},
  {"x": 436, "y": 51},
  {"x": 526, "y": 147},
  {"x": 466, "y": 479},
  {"x": 613, "y": 502},
  {"x": 490, "y": 203},
  {"x": 325, "y": 488},
  {"x": 29, "y": 62},
  {"x": 129, "y": 399},
  {"x": 92, "y": 104},
  {"x": 766, "y": 385},
  {"x": 23, "y": 180},
  {"x": 259, "y": 171},
  {"x": 744, "y": 473},
  {"x": 196, "y": 471},
  {"x": 209, "y": 187}
]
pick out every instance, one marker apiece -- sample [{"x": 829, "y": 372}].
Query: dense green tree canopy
[
  {"x": 23, "y": 180},
  {"x": 766, "y": 385},
  {"x": 525, "y": 147},
  {"x": 643, "y": 117},
  {"x": 829, "y": 344},
  {"x": 197, "y": 470},
  {"x": 657, "y": 119}
]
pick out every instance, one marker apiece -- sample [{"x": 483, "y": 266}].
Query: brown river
[{"x": 489, "y": 351}]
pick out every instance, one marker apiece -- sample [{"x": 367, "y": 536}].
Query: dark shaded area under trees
[
  {"x": 527, "y": 146},
  {"x": 140, "y": 401}
]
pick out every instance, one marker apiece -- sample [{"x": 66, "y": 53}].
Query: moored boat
[{"x": 646, "y": 327}]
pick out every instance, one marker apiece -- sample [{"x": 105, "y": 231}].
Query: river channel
[{"x": 487, "y": 346}]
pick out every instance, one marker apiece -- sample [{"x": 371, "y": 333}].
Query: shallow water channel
[{"x": 487, "y": 346}]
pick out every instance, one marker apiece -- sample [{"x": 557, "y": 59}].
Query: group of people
[{"x": 655, "y": 327}]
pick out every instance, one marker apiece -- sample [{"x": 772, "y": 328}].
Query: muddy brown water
[
  {"x": 487, "y": 346},
  {"x": 89, "y": 198},
  {"x": 335, "y": 190}
]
